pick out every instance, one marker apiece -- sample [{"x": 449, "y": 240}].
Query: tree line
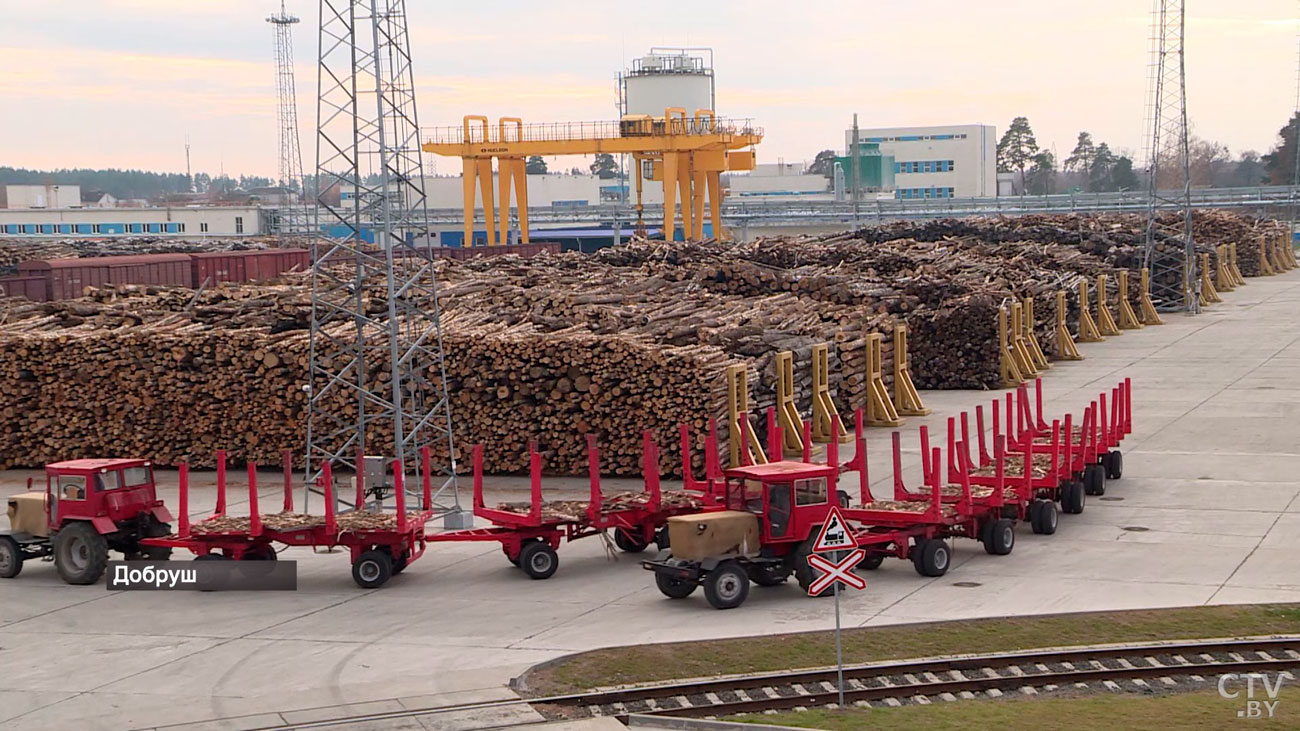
[{"x": 1093, "y": 167}]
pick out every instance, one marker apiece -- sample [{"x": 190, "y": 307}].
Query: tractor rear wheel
[
  {"x": 768, "y": 574},
  {"x": 80, "y": 553},
  {"x": 372, "y": 569},
  {"x": 11, "y": 558},
  {"x": 871, "y": 562},
  {"x": 726, "y": 586},
  {"x": 627, "y": 542},
  {"x": 804, "y": 573},
  {"x": 156, "y": 529}
]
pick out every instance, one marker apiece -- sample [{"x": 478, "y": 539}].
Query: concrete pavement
[{"x": 1207, "y": 513}]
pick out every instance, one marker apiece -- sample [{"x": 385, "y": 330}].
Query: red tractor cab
[
  {"x": 89, "y": 506},
  {"x": 763, "y": 531}
]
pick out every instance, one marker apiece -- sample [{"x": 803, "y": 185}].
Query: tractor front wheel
[
  {"x": 11, "y": 558},
  {"x": 726, "y": 586},
  {"x": 80, "y": 553}
]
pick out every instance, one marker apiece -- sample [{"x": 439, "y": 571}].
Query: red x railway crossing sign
[{"x": 833, "y": 571}]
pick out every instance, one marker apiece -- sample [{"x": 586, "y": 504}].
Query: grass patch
[
  {"x": 1105, "y": 712},
  {"x": 775, "y": 653}
]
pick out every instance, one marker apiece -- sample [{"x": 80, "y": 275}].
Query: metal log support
[
  {"x": 1105, "y": 321},
  {"x": 1024, "y": 359},
  {"x": 906, "y": 397},
  {"x": 1009, "y": 371},
  {"x": 1088, "y": 332},
  {"x": 738, "y": 409},
  {"x": 1149, "y": 316},
  {"x": 1222, "y": 277},
  {"x": 1265, "y": 262},
  {"x": 880, "y": 408},
  {"x": 1209, "y": 295},
  {"x": 824, "y": 412},
  {"x": 1235, "y": 270},
  {"x": 1031, "y": 336},
  {"x": 787, "y": 412},
  {"x": 1065, "y": 347},
  {"x": 1128, "y": 319}
]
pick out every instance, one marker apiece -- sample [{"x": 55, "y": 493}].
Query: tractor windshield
[{"x": 137, "y": 476}]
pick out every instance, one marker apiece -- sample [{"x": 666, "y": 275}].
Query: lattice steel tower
[
  {"x": 378, "y": 383},
  {"x": 286, "y": 111},
  {"x": 1293, "y": 216},
  {"x": 1175, "y": 284}
]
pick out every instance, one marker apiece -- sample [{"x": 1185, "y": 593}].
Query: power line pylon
[
  {"x": 286, "y": 118},
  {"x": 1169, "y": 252},
  {"x": 378, "y": 382}
]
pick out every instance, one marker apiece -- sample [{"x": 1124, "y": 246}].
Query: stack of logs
[{"x": 552, "y": 348}]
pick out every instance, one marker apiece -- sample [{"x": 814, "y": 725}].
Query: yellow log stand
[
  {"x": 1233, "y": 269},
  {"x": 906, "y": 397},
  {"x": 787, "y": 414},
  {"x": 1024, "y": 360},
  {"x": 1209, "y": 295},
  {"x": 1105, "y": 321},
  {"x": 1149, "y": 316},
  {"x": 1088, "y": 332},
  {"x": 824, "y": 411},
  {"x": 1009, "y": 371},
  {"x": 880, "y": 409},
  {"x": 1222, "y": 277},
  {"x": 1128, "y": 319},
  {"x": 1265, "y": 265},
  {"x": 737, "y": 409},
  {"x": 1065, "y": 347},
  {"x": 1031, "y": 336}
]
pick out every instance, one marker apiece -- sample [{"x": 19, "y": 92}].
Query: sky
[{"x": 122, "y": 83}]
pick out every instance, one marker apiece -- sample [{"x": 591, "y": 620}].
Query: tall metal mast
[
  {"x": 378, "y": 382},
  {"x": 286, "y": 116},
  {"x": 1175, "y": 283}
]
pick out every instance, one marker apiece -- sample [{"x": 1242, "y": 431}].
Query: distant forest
[{"x": 131, "y": 183}]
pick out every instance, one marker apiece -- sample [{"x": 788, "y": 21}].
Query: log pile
[
  {"x": 552, "y": 348},
  {"x": 351, "y": 522},
  {"x": 14, "y": 251},
  {"x": 575, "y": 511}
]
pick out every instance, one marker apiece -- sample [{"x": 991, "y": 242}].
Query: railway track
[
  {"x": 1166, "y": 665},
  {"x": 899, "y": 683}
]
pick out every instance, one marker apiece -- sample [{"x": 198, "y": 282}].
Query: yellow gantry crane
[{"x": 688, "y": 155}]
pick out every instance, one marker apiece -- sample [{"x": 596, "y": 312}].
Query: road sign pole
[{"x": 839, "y": 647}]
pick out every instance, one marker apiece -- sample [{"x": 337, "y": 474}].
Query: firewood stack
[{"x": 552, "y": 348}]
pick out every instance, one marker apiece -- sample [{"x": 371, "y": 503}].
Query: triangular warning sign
[{"x": 835, "y": 534}]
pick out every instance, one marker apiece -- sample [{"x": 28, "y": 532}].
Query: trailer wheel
[
  {"x": 844, "y": 498},
  {"x": 628, "y": 542},
  {"x": 212, "y": 583},
  {"x": 674, "y": 588},
  {"x": 400, "y": 561},
  {"x": 1002, "y": 537},
  {"x": 1072, "y": 496},
  {"x": 768, "y": 575},
  {"x": 372, "y": 569},
  {"x": 80, "y": 553},
  {"x": 931, "y": 557},
  {"x": 1114, "y": 464},
  {"x": 1044, "y": 517},
  {"x": 1094, "y": 480},
  {"x": 11, "y": 558},
  {"x": 538, "y": 560},
  {"x": 661, "y": 538},
  {"x": 726, "y": 586},
  {"x": 871, "y": 562}
]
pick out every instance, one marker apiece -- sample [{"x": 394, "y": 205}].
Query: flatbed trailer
[
  {"x": 380, "y": 545},
  {"x": 1102, "y": 437},
  {"x": 530, "y": 540}
]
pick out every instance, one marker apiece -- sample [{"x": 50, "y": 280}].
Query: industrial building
[
  {"x": 953, "y": 161},
  {"x": 40, "y": 196},
  {"x": 191, "y": 221}
]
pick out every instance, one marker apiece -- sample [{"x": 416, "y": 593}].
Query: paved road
[{"x": 1210, "y": 475}]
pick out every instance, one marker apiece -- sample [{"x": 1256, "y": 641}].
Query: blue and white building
[{"x": 958, "y": 161}]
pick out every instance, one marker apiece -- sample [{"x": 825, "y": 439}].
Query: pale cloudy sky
[{"x": 120, "y": 83}]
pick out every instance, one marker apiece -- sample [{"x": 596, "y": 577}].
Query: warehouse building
[
  {"x": 192, "y": 221},
  {"x": 959, "y": 161}
]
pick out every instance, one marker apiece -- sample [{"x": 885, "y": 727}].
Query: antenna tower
[
  {"x": 378, "y": 383},
  {"x": 1169, "y": 252},
  {"x": 286, "y": 118}
]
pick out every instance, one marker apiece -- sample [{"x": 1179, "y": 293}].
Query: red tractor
[{"x": 89, "y": 506}]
